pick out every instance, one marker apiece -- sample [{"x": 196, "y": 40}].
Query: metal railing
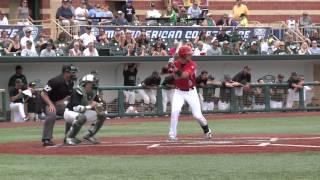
[{"x": 258, "y": 98}]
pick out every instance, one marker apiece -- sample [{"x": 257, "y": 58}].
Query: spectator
[
  {"x": 315, "y": 36},
  {"x": 17, "y": 102},
  {"x": 236, "y": 49},
  {"x": 90, "y": 50},
  {"x": 3, "y": 19},
  {"x": 226, "y": 50},
  {"x": 176, "y": 8},
  {"x": 100, "y": 13},
  {"x": 209, "y": 21},
  {"x": 253, "y": 50},
  {"x": 27, "y": 37},
  {"x": 82, "y": 13},
  {"x": 170, "y": 13},
  {"x": 143, "y": 51},
  {"x": 215, "y": 50},
  {"x": 208, "y": 41},
  {"x": 231, "y": 21},
  {"x": 128, "y": 11},
  {"x": 291, "y": 23},
  {"x": 305, "y": 22},
  {"x": 87, "y": 37},
  {"x": 314, "y": 48},
  {"x": 71, "y": 7},
  {"x": 149, "y": 91},
  {"x": 105, "y": 14},
  {"x": 109, "y": 14},
  {"x": 23, "y": 13},
  {"x": 61, "y": 42},
  {"x": 130, "y": 50},
  {"x": 152, "y": 13},
  {"x": 130, "y": 72},
  {"x": 75, "y": 51},
  {"x": 92, "y": 14},
  {"x": 17, "y": 75},
  {"x": 304, "y": 49},
  {"x": 294, "y": 88},
  {"x": 194, "y": 11},
  {"x": 174, "y": 48},
  {"x": 183, "y": 16},
  {"x": 116, "y": 39},
  {"x": 42, "y": 40},
  {"x": 159, "y": 51},
  {"x": 159, "y": 42},
  {"x": 223, "y": 21},
  {"x": 102, "y": 37},
  {"x": 142, "y": 40},
  {"x": 243, "y": 20},
  {"x": 222, "y": 36},
  {"x": 28, "y": 52},
  {"x": 48, "y": 51},
  {"x": 292, "y": 46},
  {"x": 4, "y": 39},
  {"x": 65, "y": 15},
  {"x": 281, "y": 50},
  {"x": 201, "y": 37},
  {"x": 238, "y": 9},
  {"x": 200, "y": 49},
  {"x": 120, "y": 20},
  {"x": 128, "y": 39},
  {"x": 14, "y": 47}
]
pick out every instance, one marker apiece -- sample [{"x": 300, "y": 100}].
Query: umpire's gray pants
[{"x": 51, "y": 119}]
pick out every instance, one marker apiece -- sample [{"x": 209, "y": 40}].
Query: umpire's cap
[{"x": 69, "y": 68}]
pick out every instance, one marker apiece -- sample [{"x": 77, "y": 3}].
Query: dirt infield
[{"x": 158, "y": 145}]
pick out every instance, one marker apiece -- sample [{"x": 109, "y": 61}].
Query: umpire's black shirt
[{"x": 57, "y": 88}]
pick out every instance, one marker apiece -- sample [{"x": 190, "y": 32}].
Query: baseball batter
[{"x": 184, "y": 70}]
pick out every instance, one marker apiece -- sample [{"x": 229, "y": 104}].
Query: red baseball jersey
[{"x": 189, "y": 67}]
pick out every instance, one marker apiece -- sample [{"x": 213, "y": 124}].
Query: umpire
[{"x": 56, "y": 94}]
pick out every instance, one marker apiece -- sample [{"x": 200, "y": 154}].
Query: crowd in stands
[{"x": 123, "y": 43}]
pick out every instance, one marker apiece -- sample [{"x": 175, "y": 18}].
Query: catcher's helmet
[
  {"x": 89, "y": 78},
  {"x": 184, "y": 51}
]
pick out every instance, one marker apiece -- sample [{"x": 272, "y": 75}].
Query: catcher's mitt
[{"x": 100, "y": 108}]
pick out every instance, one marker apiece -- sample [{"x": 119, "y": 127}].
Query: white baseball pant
[
  {"x": 70, "y": 116},
  {"x": 17, "y": 112},
  {"x": 148, "y": 95},
  {"x": 192, "y": 98},
  {"x": 167, "y": 95},
  {"x": 130, "y": 97}
]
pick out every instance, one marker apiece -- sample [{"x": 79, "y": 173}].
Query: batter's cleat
[
  {"x": 208, "y": 135},
  {"x": 47, "y": 142},
  {"x": 172, "y": 139},
  {"x": 91, "y": 140},
  {"x": 72, "y": 141}
]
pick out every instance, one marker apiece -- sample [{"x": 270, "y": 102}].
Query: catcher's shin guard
[
  {"x": 76, "y": 126},
  {"x": 95, "y": 127}
]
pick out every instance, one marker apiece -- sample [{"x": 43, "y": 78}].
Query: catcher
[{"x": 85, "y": 105}]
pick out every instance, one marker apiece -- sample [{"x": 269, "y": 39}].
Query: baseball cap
[
  {"x": 225, "y": 42},
  {"x": 32, "y": 83},
  {"x": 120, "y": 12},
  {"x": 253, "y": 43},
  {"x": 69, "y": 68},
  {"x": 29, "y": 29}
]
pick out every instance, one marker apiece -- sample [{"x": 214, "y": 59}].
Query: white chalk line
[{"x": 198, "y": 142}]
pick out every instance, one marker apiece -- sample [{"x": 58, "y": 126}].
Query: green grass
[
  {"x": 299, "y": 125},
  {"x": 278, "y": 166},
  {"x": 239, "y": 167}
]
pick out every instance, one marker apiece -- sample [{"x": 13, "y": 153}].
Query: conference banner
[{"x": 183, "y": 32}]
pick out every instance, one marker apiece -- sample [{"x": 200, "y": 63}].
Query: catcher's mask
[
  {"x": 89, "y": 78},
  {"x": 71, "y": 69}
]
